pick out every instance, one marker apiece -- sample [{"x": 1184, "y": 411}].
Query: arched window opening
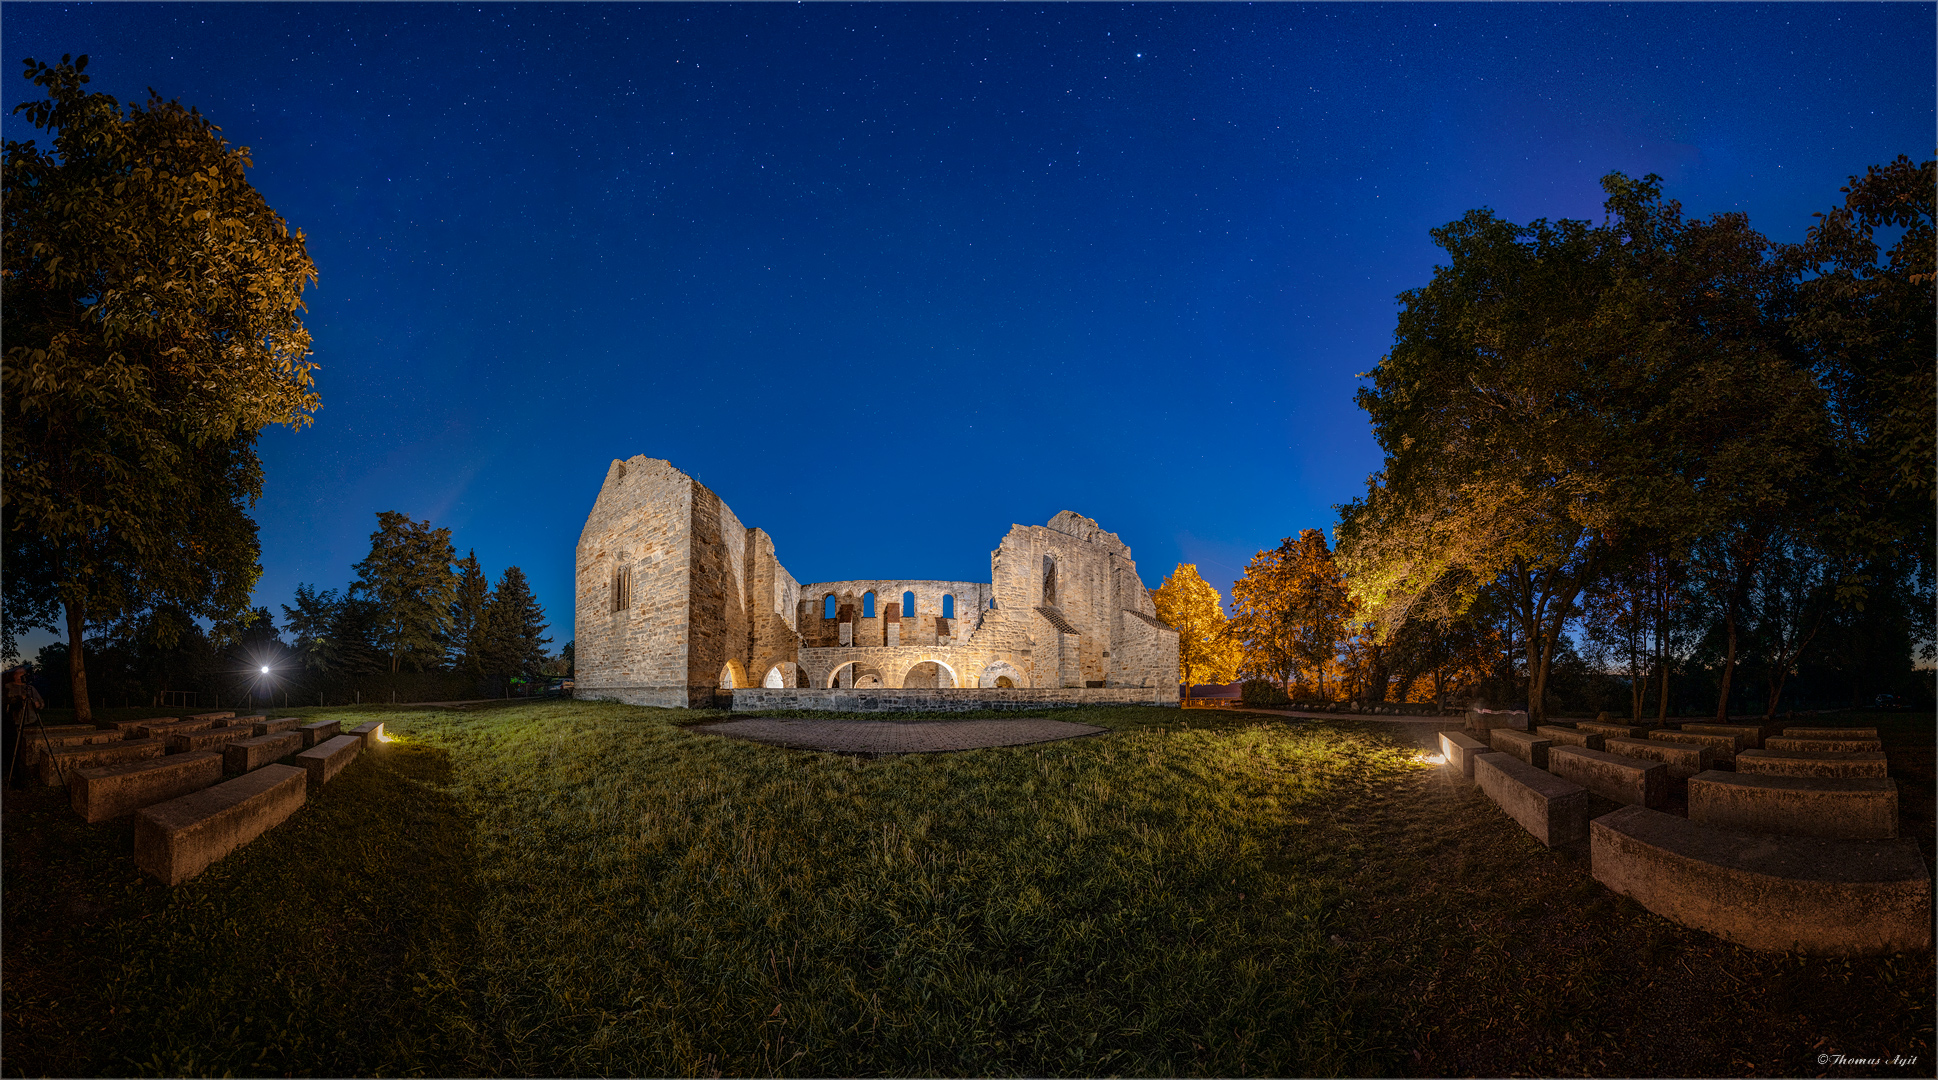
[
  {"x": 827, "y": 607},
  {"x": 1049, "y": 581},
  {"x": 1004, "y": 682},
  {"x": 948, "y": 606},
  {"x": 992, "y": 603},
  {"x": 908, "y": 605},
  {"x": 868, "y": 604}
]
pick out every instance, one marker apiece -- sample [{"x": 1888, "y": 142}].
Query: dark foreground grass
[{"x": 588, "y": 889}]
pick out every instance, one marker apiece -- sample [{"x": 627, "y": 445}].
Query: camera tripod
[{"x": 46, "y": 745}]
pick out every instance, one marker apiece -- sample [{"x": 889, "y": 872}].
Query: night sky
[{"x": 891, "y": 278}]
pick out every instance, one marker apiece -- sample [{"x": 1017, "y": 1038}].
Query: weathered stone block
[
  {"x": 212, "y": 716},
  {"x": 1460, "y": 751},
  {"x": 1752, "y": 733},
  {"x": 1567, "y": 736},
  {"x": 1612, "y": 776},
  {"x": 212, "y": 739},
  {"x": 322, "y": 762},
  {"x": 35, "y": 744},
  {"x": 1830, "y": 733},
  {"x": 178, "y": 839},
  {"x": 370, "y": 732},
  {"x": 1608, "y": 729},
  {"x": 1683, "y": 760},
  {"x": 163, "y": 728},
  {"x": 1862, "y": 808},
  {"x": 1824, "y": 746},
  {"x": 271, "y": 727},
  {"x": 243, "y": 755},
  {"x": 1863, "y": 763},
  {"x": 1524, "y": 745},
  {"x": 56, "y": 767},
  {"x": 65, "y": 729},
  {"x": 1725, "y": 746},
  {"x": 1554, "y": 810},
  {"x": 109, "y": 791},
  {"x": 1772, "y": 893},
  {"x": 319, "y": 731}
]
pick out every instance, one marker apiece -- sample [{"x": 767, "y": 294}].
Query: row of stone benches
[
  {"x": 187, "y": 815},
  {"x": 1772, "y": 860}
]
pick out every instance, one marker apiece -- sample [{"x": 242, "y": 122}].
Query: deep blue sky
[{"x": 890, "y": 278}]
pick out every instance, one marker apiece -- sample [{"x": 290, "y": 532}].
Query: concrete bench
[
  {"x": 114, "y": 790},
  {"x": 1567, "y": 736},
  {"x": 1752, "y": 733},
  {"x": 319, "y": 731},
  {"x": 211, "y": 716},
  {"x": 1824, "y": 746},
  {"x": 1554, "y": 810},
  {"x": 213, "y": 739},
  {"x": 1524, "y": 745},
  {"x": 1830, "y": 732},
  {"x": 1460, "y": 750},
  {"x": 65, "y": 729},
  {"x": 1773, "y": 893},
  {"x": 1811, "y": 763},
  {"x": 1684, "y": 761},
  {"x": 1726, "y": 746},
  {"x": 374, "y": 730},
  {"x": 244, "y": 755},
  {"x": 1608, "y": 729},
  {"x": 1858, "y": 808},
  {"x": 163, "y": 728},
  {"x": 57, "y": 767},
  {"x": 271, "y": 727},
  {"x": 178, "y": 839},
  {"x": 33, "y": 743},
  {"x": 1612, "y": 776},
  {"x": 127, "y": 727},
  {"x": 323, "y": 761}
]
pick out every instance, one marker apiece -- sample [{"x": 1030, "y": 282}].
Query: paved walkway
[{"x": 895, "y": 736}]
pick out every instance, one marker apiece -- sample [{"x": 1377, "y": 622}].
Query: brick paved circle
[{"x": 896, "y": 736}]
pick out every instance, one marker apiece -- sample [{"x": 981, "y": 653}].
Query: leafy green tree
[
  {"x": 311, "y": 623},
  {"x": 150, "y": 311},
  {"x": 1188, "y": 602},
  {"x": 468, "y": 616},
  {"x": 514, "y": 628},
  {"x": 408, "y": 577}
]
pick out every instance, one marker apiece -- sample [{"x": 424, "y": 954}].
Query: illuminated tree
[
  {"x": 1291, "y": 610},
  {"x": 407, "y": 577},
  {"x": 1188, "y": 602}
]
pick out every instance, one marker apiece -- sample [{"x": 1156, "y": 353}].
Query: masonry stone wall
[
  {"x": 1024, "y": 698},
  {"x": 708, "y": 606}
]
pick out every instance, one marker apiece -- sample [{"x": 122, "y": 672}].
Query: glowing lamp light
[{"x": 265, "y": 669}]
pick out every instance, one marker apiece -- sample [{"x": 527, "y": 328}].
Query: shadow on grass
[{"x": 334, "y": 944}]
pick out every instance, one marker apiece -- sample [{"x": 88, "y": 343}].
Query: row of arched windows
[{"x": 829, "y": 607}]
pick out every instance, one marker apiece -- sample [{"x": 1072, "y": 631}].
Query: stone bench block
[
  {"x": 1525, "y": 745},
  {"x": 127, "y": 727},
  {"x": 1830, "y": 732},
  {"x": 271, "y": 727},
  {"x": 1752, "y": 733},
  {"x": 1567, "y": 736},
  {"x": 211, "y": 716},
  {"x": 67, "y": 729},
  {"x": 1726, "y": 746},
  {"x": 35, "y": 744},
  {"x": 114, "y": 790},
  {"x": 1811, "y": 763},
  {"x": 1684, "y": 761},
  {"x": 1612, "y": 776},
  {"x": 323, "y": 761},
  {"x": 1482, "y": 721},
  {"x": 320, "y": 731},
  {"x": 1860, "y": 808},
  {"x": 1554, "y": 810},
  {"x": 374, "y": 730},
  {"x": 163, "y": 728},
  {"x": 244, "y": 755},
  {"x": 58, "y": 767},
  {"x": 1824, "y": 746},
  {"x": 1460, "y": 751},
  {"x": 178, "y": 839},
  {"x": 1773, "y": 893},
  {"x": 213, "y": 739},
  {"x": 1608, "y": 729}
]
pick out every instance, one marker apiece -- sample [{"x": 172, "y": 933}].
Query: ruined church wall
[
  {"x": 820, "y": 632},
  {"x": 641, "y": 522}
]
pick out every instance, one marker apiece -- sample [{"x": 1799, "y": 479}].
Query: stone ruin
[{"x": 677, "y": 600}]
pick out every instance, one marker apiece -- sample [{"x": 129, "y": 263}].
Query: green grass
[{"x": 570, "y": 888}]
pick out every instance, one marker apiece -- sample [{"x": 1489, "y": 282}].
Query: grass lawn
[{"x": 572, "y": 888}]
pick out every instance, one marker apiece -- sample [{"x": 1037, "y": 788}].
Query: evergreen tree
[
  {"x": 514, "y": 627},
  {"x": 468, "y": 616},
  {"x": 408, "y": 577}
]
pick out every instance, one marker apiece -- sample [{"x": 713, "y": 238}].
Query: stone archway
[
  {"x": 733, "y": 676},
  {"x": 994, "y": 673},
  {"x": 931, "y": 674}
]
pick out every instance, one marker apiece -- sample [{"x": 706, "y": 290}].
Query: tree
[
  {"x": 467, "y": 616},
  {"x": 408, "y": 577},
  {"x": 1192, "y": 605},
  {"x": 1292, "y": 609},
  {"x": 312, "y": 621},
  {"x": 514, "y": 641},
  {"x": 150, "y": 308}
]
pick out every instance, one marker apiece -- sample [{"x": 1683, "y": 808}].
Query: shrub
[{"x": 1262, "y": 694}]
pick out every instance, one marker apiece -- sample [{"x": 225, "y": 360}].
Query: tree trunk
[
  {"x": 1729, "y": 664},
  {"x": 76, "y": 670}
]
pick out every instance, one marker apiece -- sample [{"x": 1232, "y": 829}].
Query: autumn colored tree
[
  {"x": 1206, "y": 653},
  {"x": 407, "y": 577},
  {"x": 151, "y": 308}
]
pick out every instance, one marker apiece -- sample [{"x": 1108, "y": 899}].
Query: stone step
[
  {"x": 1460, "y": 750},
  {"x": 1567, "y": 736},
  {"x": 1607, "y": 728},
  {"x": 323, "y": 761},
  {"x": 1855, "y": 808},
  {"x": 1824, "y": 746},
  {"x": 1830, "y": 732},
  {"x": 212, "y": 739},
  {"x": 1772, "y": 893},
  {"x": 1752, "y": 733},
  {"x": 178, "y": 839},
  {"x": 1683, "y": 760},
  {"x": 1726, "y": 746},
  {"x": 319, "y": 731},
  {"x": 1523, "y": 745},
  {"x": 1612, "y": 776},
  {"x": 244, "y": 755},
  {"x": 1554, "y": 810},
  {"x": 372, "y": 731},
  {"x": 113, "y": 790},
  {"x": 1811, "y": 763},
  {"x": 57, "y": 767},
  {"x": 271, "y": 727}
]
